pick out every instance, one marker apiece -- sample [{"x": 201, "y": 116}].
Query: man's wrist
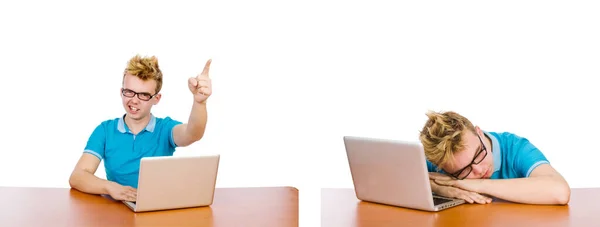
[
  {"x": 203, "y": 103},
  {"x": 106, "y": 187},
  {"x": 481, "y": 185}
]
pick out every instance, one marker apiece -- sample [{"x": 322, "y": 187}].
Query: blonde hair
[
  {"x": 145, "y": 68},
  {"x": 442, "y": 136}
]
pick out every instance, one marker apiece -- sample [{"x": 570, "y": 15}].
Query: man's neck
[{"x": 136, "y": 126}]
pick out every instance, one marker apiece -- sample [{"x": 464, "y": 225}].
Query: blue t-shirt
[
  {"x": 514, "y": 156},
  {"x": 122, "y": 151}
]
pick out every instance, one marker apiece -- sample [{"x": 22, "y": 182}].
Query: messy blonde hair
[
  {"x": 145, "y": 68},
  {"x": 442, "y": 136}
]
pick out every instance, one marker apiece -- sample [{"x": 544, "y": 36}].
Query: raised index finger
[{"x": 206, "y": 68}]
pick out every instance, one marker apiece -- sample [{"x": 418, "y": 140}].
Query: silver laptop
[
  {"x": 174, "y": 182},
  {"x": 393, "y": 173}
]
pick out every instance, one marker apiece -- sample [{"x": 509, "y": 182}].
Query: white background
[{"x": 290, "y": 79}]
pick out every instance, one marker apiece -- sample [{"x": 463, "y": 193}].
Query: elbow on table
[
  {"x": 74, "y": 180},
  {"x": 562, "y": 195}
]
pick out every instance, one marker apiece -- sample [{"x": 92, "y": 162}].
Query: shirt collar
[
  {"x": 122, "y": 127},
  {"x": 495, "y": 151}
]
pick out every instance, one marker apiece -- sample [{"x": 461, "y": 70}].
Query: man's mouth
[{"x": 133, "y": 108}]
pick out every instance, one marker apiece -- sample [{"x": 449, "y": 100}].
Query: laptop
[
  {"x": 393, "y": 173},
  {"x": 175, "y": 182}
]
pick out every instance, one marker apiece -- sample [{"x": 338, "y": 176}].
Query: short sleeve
[
  {"x": 169, "y": 124},
  {"x": 527, "y": 157},
  {"x": 430, "y": 167},
  {"x": 433, "y": 168},
  {"x": 96, "y": 142}
]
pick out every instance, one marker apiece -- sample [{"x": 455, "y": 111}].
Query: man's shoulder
[
  {"x": 165, "y": 120},
  {"x": 503, "y": 137},
  {"x": 102, "y": 129},
  {"x": 110, "y": 122},
  {"x": 511, "y": 141}
]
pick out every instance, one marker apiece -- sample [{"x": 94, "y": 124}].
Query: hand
[
  {"x": 468, "y": 196},
  {"x": 120, "y": 192},
  {"x": 201, "y": 86},
  {"x": 439, "y": 176},
  {"x": 462, "y": 189}
]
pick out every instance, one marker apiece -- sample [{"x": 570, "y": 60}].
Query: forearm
[
  {"x": 197, "y": 122},
  {"x": 547, "y": 190},
  {"x": 88, "y": 183}
]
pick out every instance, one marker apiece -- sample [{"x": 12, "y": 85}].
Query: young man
[
  {"x": 123, "y": 141},
  {"x": 468, "y": 163}
]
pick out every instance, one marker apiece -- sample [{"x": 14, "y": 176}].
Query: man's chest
[{"x": 126, "y": 148}]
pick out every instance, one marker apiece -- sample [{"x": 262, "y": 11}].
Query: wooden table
[
  {"x": 340, "y": 207},
  {"x": 63, "y": 207}
]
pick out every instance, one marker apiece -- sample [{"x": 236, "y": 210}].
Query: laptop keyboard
[{"x": 437, "y": 200}]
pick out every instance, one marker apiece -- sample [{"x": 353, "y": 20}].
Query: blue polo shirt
[
  {"x": 514, "y": 156},
  {"x": 122, "y": 151}
]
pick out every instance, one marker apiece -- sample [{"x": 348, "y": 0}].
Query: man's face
[
  {"x": 138, "y": 96},
  {"x": 475, "y": 160}
]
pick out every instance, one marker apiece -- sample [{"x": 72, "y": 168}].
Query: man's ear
[
  {"x": 478, "y": 130},
  {"x": 157, "y": 97}
]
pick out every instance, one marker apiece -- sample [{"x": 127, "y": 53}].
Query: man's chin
[{"x": 136, "y": 117}]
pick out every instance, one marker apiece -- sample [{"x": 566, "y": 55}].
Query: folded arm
[
  {"x": 454, "y": 192},
  {"x": 544, "y": 186}
]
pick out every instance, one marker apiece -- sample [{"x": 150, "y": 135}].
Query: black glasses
[
  {"x": 479, "y": 156},
  {"x": 144, "y": 96}
]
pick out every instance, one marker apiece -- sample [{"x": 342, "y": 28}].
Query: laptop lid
[
  {"x": 389, "y": 172},
  {"x": 172, "y": 182}
]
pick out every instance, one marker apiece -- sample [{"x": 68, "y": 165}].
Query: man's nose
[
  {"x": 135, "y": 99},
  {"x": 478, "y": 170}
]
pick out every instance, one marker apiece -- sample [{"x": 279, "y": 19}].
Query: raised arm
[
  {"x": 201, "y": 88},
  {"x": 186, "y": 134}
]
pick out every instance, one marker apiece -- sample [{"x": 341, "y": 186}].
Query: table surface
[
  {"x": 340, "y": 207},
  {"x": 269, "y": 206}
]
